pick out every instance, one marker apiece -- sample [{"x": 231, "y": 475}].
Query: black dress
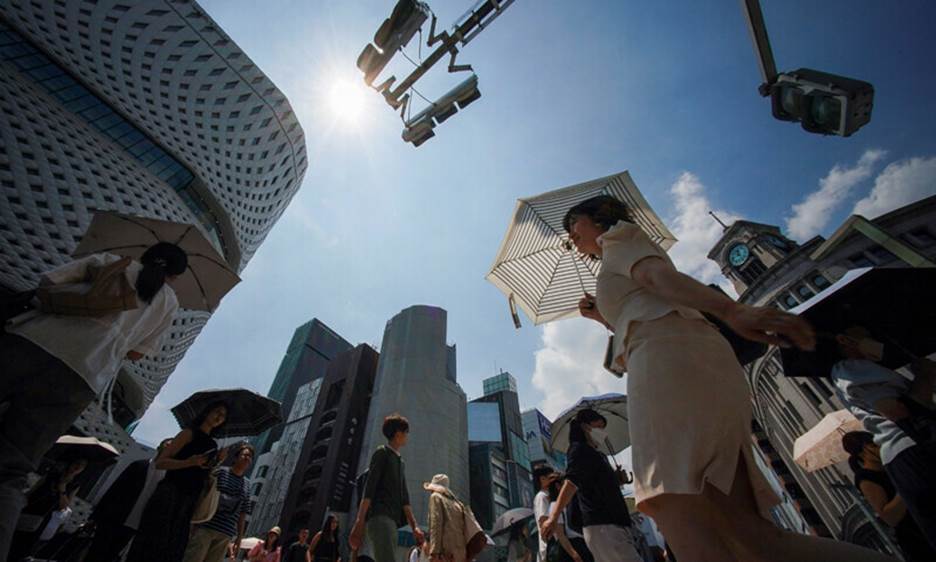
[
  {"x": 326, "y": 551},
  {"x": 910, "y": 538},
  {"x": 164, "y": 528}
]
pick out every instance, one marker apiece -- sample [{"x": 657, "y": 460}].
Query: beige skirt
[{"x": 690, "y": 411}]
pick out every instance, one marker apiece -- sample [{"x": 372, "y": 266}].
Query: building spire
[{"x": 719, "y": 221}]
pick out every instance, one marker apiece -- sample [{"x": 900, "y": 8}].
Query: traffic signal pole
[{"x": 762, "y": 50}]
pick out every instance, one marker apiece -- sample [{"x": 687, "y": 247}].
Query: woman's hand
[
  {"x": 548, "y": 527},
  {"x": 200, "y": 461},
  {"x": 770, "y": 325},
  {"x": 589, "y": 309}
]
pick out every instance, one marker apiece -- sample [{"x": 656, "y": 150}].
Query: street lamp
[{"x": 822, "y": 103}]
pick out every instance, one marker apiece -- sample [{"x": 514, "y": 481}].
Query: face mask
[
  {"x": 598, "y": 435},
  {"x": 873, "y": 349}
]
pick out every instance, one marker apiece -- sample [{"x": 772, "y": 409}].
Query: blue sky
[{"x": 570, "y": 91}]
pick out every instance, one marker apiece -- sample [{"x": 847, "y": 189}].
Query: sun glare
[{"x": 346, "y": 100}]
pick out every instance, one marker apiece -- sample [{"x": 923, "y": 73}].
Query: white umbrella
[
  {"x": 208, "y": 278},
  {"x": 538, "y": 268},
  {"x": 90, "y": 448},
  {"x": 612, "y": 406},
  {"x": 821, "y": 446}
]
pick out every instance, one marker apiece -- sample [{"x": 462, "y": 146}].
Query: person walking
[
  {"x": 222, "y": 534},
  {"x": 267, "y": 550},
  {"x": 448, "y": 522},
  {"x": 899, "y": 413},
  {"x": 386, "y": 505},
  {"x": 546, "y": 479},
  {"x": 325, "y": 545},
  {"x": 606, "y": 522},
  {"x": 116, "y": 517},
  {"x": 299, "y": 550},
  {"x": 54, "y": 492},
  {"x": 689, "y": 403},
  {"x": 167, "y": 519},
  {"x": 872, "y": 481},
  {"x": 53, "y": 365}
]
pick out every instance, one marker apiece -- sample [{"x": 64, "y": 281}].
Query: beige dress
[{"x": 688, "y": 402}]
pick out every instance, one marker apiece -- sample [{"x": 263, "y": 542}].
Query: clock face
[{"x": 738, "y": 254}]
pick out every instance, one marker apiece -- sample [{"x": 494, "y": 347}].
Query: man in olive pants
[{"x": 385, "y": 506}]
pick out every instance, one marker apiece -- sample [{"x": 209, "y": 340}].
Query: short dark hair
[
  {"x": 393, "y": 424},
  {"x": 603, "y": 210},
  {"x": 540, "y": 472},
  {"x": 588, "y": 416},
  {"x": 854, "y": 442},
  {"x": 244, "y": 445}
]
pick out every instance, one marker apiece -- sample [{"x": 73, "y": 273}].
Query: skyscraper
[
  {"x": 323, "y": 480},
  {"x": 537, "y": 432},
  {"x": 415, "y": 379},
  {"x": 501, "y": 474},
  {"x": 146, "y": 108},
  {"x": 312, "y": 346}
]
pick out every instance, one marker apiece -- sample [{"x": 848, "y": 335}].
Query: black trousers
[
  {"x": 912, "y": 474},
  {"x": 109, "y": 541}
]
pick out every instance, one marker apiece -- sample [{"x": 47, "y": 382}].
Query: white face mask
[{"x": 598, "y": 435}]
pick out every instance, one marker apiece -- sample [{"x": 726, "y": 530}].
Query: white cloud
[
  {"x": 568, "y": 366},
  {"x": 696, "y": 230},
  {"x": 900, "y": 183},
  {"x": 813, "y": 213}
]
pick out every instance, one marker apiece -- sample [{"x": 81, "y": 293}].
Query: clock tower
[{"x": 747, "y": 250}]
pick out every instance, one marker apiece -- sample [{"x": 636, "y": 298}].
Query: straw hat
[
  {"x": 276, "y": 530},
  {"x": 440, "y": 483}
]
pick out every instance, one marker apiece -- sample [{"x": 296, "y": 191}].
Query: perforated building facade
[{"x": 145, "y": 108}]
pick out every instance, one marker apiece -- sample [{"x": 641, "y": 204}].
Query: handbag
[
  {"x": 208, "y": 500},
  {"x": 105, "y": 290},
  {"x": 744, "y": 349}
]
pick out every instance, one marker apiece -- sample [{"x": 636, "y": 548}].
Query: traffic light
[
  {"x": 419, "y": 129},
  {"x": 394, "y": 33},
  {"x": 823, "y": 103}
]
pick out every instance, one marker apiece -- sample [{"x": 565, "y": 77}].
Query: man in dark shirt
[
  {"x": 386, "y": 506},
  {"x": 299, "y": 550},
  {"x": 605, "y": 520}
]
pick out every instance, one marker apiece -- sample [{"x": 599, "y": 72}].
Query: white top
[
  {"x": 52, "y": 527},
  {"x": 95, "y": 347},
  {"x": 153, "y": 476},
  {"x": 859, "y": 384},
  {"x": 619, "y": 298},
  {"x": 541, "y": 509}
]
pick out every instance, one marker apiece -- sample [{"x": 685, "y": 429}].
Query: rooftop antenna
[{"x": 719, "y": 221}]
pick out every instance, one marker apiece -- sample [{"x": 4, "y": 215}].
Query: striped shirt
[{"x": 235, "y": 499}]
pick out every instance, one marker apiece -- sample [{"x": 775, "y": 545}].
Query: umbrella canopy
[
  {"x": 612, "y": 406},
  {"x": 249, "y": 542},
  {"x": 537, "y": 266},
  {"x": 821, "y": 446},
  {"x": 509, "y": 519},
  {"x": 201, "y": 287},
  {"x": 90, "y": 448},
  {"x": 892, "y": 303},
  {"x": 248, "y": 413}
]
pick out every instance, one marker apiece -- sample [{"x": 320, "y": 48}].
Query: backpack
[{"x": 105, "y": 290}]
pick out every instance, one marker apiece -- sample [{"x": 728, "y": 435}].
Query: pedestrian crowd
[{"x": 698, "y": 491}]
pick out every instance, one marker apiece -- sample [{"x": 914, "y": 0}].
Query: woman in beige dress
[{"x": 689, "y": 403}]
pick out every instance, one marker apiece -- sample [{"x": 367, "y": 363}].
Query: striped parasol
[{"x": 537, "y": 266}]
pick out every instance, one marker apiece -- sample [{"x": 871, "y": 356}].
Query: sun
[{"x": 346, "y": 100}]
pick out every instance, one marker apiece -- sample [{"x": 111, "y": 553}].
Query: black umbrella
[
  {"x": 896, "y": 305},
  {"x": 248, "y": 413}
]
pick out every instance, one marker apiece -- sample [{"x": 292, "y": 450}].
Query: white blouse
[
  {"x": 619, "y": 298},
  {"x": 95, "y": 347}
]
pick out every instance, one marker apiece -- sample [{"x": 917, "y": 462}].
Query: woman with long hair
[
  {"x": 53, "y": 364},
  {"x": 187, "y": 460},
  {"x": 688, "y": 400},
  {"x": 876, "y": 487},
  {"x": 325, "y": 544}
]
